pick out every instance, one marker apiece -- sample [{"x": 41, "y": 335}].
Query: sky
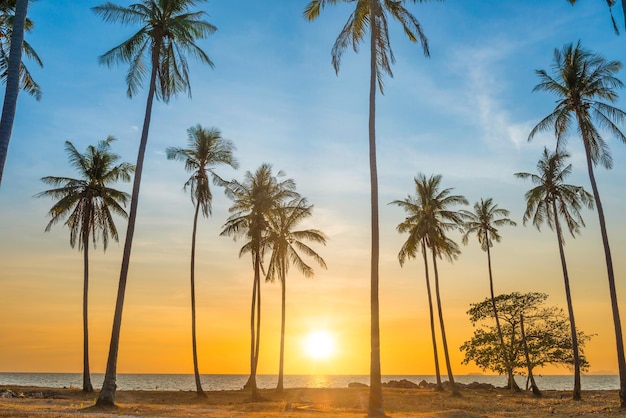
[{"x": 464, "y": 113}]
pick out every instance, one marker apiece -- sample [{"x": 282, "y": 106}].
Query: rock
[
  {"x": 8, "y": 394},
  {"x": 477, "y": 385},
  {"x": 357, "y": 385},
  {"x": 401, "y": 384}
]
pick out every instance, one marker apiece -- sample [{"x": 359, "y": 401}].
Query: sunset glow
[{"x": 319, "y": 345}]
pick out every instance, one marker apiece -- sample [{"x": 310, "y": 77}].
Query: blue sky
[{"x": 464, "y": 113}]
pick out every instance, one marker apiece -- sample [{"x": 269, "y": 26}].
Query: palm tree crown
[
  {"x": 168, "y": 33},
  {"x": 549, "y": 188},
  {"x": 287, "y": 243},
  {"x": 206, "y": 149},
  {"x": 434, "y": 216},
  {"x": 585, "y": 85},
  {"x": 484, "y": 221},
  {"x": 355, "y": 29},
  {"x": 88, "y": 203}
]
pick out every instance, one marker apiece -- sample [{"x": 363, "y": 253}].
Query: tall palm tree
[
  {"x": 413, "y": 224},
  {"x": 548, "y": 201},
  {"x": 255, "y": 201},
  {"x": 483, "y": 222},
  {"x": 585, "y": 85},
  {"x": 372, "y": 15},
  {"x": 286, "y": 245},
  {"x": 437, "y": 218},
  {"x": 206, "y": 149},
  {"x": 168, "y": 32},
  {"x": 86, "y": 205}
]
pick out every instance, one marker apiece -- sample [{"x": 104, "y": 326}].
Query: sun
[{"x": 319, "y": 345}]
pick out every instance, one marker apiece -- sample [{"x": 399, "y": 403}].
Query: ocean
[{"x": 186, "y": 382}]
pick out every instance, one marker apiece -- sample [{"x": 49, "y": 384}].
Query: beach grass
[{"x": 292, "y": 403}]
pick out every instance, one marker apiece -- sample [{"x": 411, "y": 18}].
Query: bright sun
[{"x": 319, "y": 345}]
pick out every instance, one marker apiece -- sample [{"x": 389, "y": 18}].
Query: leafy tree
[
  {"x": 12, "y": 70},
  {"x": 255, "y": 202},
  {"x": 372, "y": 15},
  {"x": 548, "y": 201},
  {"x": 206, "y": 149},
  {"x": 86, "y": 206},
  {"x": 585, "y": 85},
  {"x": 483, "y": 222},
  {"x": 168, "y": 32},
  {"x": 547, "y": 334},
  {"x": 286, "y": 245}
]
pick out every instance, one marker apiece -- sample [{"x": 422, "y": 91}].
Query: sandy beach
[{"x": 345, "y": 403}]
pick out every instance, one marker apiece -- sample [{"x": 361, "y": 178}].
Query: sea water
[{"x": 186, "y": 382}]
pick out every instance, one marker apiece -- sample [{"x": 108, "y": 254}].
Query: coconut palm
[
  {"x": 12, "y": 69},
  {"x": 254, "y": 202},
  {"x": 585, "y": 85},
  {"x": 437, "y": 218},
  {"x": 286, "y": 245},
  {"x": 548, "y": 201},
  {"x": 168, "y": 32},
  {"x": 86, "y": 206},
  {"x": 206, "y": 149},
  {"x": 372, "y": 15},
  {"x": 483, "y": 222},
  {"x": 413, "y": 225}
]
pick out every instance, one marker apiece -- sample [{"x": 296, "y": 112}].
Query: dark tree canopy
[{"x": 547, "y": 330}]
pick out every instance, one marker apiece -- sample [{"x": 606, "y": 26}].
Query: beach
[{"x": 309, "y": 402}]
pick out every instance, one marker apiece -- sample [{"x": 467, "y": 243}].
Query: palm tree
[
  {"x": 372, "y": 14},
  {"x": 87, "y": 204},
  {"x": 483, "y": 222},
  {"x": 414, "y": 226},
  {"x": 436, "y": 220},
  {"x": 286, "y": 245},
  {"x": 206, "y": 149},
  {"x": 585, "y": 85},
  {"x": 255, "y": 201},
  {"x": 169, "y": 31},
  {"x": 548, "y": 201}
]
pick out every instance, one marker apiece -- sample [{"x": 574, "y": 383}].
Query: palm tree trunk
[
  {"x": 439, "y": 386},
  {"x": 570, "y": 307},
  {"x": 251, "y": 383},
  {"x": 107, "y": 394},
  {"x": 193, "y": 302},
  {"x": 13, "y": 80},
  {"x": 375, "y": 407},
  {"x": 281, "y": 364},
  {"x": 531, "y": 377},
  {"x": 619, "y": 341},
  {"x": 87, "y": 387},
  {"x": 455, "y": 390},
  {"x": 507, "y": 364}
]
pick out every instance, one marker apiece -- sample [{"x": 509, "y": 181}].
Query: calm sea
[{"x": 236, "y": 381}]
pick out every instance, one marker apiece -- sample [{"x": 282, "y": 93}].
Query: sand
[{"x": 341, "y": 403}]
